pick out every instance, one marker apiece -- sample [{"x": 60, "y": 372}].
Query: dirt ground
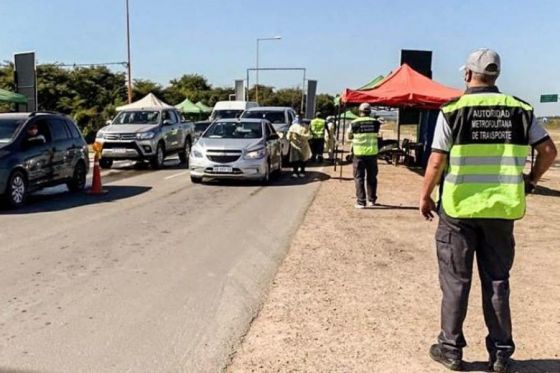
[{"x": 358, "y": 290}]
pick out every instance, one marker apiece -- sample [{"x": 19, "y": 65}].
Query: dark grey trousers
[
  {"x": 365, "y": 173},
  {"x": 458, "y": 240}
]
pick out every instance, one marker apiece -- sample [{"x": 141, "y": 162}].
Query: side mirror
[
  {"x": 166, "y": 122},
  {"x": 273, "y": 136},
  {"x": 108, "y": 123}
]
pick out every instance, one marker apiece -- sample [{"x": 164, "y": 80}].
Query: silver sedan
[{"x": 237, "y": 149}]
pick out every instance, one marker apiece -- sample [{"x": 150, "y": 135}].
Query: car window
[
  {"x": 58, "y": 129},
  {"x": 137, "y": 117},
  {"x": 172, "y": 116},
  {"x": 272, "y": 130},
  {"x": 275, "y": 117},
  {"x": 73, "y": 129},
  {"x": 42, "y": 130},
  {"x": 234, "y": 130},
  {"x": 290, "y": 117},
  {"x": 8, "y": 128}
]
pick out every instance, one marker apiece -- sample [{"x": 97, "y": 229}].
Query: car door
[
  {"x": 179, "y": 130},
  {"x": 63, "y": 149},
  {"x": 273, "y": 145},
  {"x": 37, "y": 155},
  {"x": 169, "y": 130}
]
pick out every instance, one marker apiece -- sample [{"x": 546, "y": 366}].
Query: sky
[{"x": 342, "y": 44}]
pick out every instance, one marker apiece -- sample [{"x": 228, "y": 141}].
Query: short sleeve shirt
[{"x": 443, "y": 135}]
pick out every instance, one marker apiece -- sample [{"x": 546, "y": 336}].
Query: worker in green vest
[
  {"x": 363, "y": 132},
  {"x": 317, "y": 141},
  {"x": 480, "y": 147}
]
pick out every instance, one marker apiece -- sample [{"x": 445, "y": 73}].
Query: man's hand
[{"x": 427, "y": 208}]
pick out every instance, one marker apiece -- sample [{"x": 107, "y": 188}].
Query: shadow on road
[
  {"x": 37, "y": 203},
  {"x": 544, "y": 191},
  {"x": 519, "y": 366},
  {"x": 284, "y": 180},
  {"x": 381, "y": 206},
  {"x": 16, "y": 370}
]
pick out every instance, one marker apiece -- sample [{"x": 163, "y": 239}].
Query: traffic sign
[{"x": 549, "y": 98}]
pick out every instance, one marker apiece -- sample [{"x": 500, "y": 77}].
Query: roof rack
[{"x": 34, "y": 113}]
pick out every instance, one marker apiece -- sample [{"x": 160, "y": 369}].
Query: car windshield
[
  {"x": 137, "y": 117},
  {"x": 8, "y": 129},
  {"x": 234, "y": 130},
  {"x": 274, "y": 117},
  {"x": 226, "y": 114}
]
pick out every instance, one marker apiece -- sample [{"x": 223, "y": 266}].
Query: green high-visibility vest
[
  {"x": 484, "y": 177},
  {"x": 317, "y": 128},
  {"x": 365, "y": 131}
]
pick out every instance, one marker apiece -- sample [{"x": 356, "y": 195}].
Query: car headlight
[
  {"x": 145, "y": 135},
  {"x": 100, "y": 135},
  {"x": 195, "y": 153},
  {"x": 256, "y": 154}
]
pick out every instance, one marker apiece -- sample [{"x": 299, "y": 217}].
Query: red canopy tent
[{"x": 404, "y": 87}]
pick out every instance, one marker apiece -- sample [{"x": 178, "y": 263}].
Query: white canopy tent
[{"x": 150, "y": 102}]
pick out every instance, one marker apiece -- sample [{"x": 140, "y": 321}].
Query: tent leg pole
[{"x": 337, "y": 124}]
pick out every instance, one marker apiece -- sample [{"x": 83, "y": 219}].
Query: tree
[{"x": 143, "y": 87}]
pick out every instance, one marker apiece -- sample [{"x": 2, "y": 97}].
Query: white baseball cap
[
  {"x": 365, "y": 107},
  {"x": 483, "y": 61}
]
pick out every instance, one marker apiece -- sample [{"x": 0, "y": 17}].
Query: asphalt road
[{"x": 158, "y": 275}]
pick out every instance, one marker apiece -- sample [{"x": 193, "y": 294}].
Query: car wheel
[
  {"x": 184, "y": 155},
  {"x": 105, "y": 163},
  {"x": 16, "y": 191},
  {"x": 196, "y": 179},
  {"x": 78, "y": 182},
  {"x": 157, "y": 160}
]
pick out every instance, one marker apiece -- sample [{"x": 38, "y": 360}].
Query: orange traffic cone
[{"x": 96, "y": 186}]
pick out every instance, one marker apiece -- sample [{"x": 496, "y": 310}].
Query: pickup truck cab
[{"x": 146, "y": 134}]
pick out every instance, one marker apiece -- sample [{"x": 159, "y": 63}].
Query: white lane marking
[{"x": 176, "y": 175}]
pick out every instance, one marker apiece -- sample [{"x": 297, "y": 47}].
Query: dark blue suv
[{"x": 39, "y": 150}]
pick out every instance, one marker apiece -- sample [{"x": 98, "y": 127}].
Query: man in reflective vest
[
  {"x": 363, "y": 132},
  {"x": 481, "y": 143},
  {"x": 317, "y": 141}
]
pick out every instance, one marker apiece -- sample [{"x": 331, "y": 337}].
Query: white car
[{"x": 237, "y": 149}]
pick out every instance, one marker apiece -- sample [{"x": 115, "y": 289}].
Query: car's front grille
[
  {"x": 120, "y": 145},
  {"x": 223, "y": 156},
  {"x": 120, "y": 136}
]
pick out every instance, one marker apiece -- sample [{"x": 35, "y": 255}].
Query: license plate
[
  {"x": 223, "y": 170},
  {"x": 119, "y": 151}
]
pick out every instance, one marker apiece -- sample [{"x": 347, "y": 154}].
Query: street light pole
[
  {"x": 128, "y": 48},
  {"x": 257, "y": 69}
]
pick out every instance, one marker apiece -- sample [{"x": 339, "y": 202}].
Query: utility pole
[{"x": 128, "y": 48}]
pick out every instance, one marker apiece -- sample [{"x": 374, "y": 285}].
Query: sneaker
[
  {"x": 301, "y": 175},
  {"x": 450, "y": 362},
  {"x": 359, "y": 206},
  {"x": 500, "y": 364},
  {"x": 294, "y": 175},
  {"x": 372, "y": 203}
]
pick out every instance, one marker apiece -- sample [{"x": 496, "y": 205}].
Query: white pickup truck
[{"x": 146, "y": 134}]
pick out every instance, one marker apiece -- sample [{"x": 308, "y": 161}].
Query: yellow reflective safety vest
[
  {"x": 365, "y": 131},
  {"x": 317, "y": 128},
  {"x": 484, "y": 177}
]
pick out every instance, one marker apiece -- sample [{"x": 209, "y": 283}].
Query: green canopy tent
[
  {"x": 189, "y": 109},
  {"x": 372, "y": 84},
  {"x": 205, "y": 109},
  {"x": 11, "y": 97},
  {"x": 348, "y": 115}
]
